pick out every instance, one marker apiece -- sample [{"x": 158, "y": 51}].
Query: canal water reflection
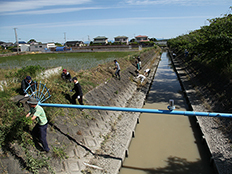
[{"x": 166, "y": 143}]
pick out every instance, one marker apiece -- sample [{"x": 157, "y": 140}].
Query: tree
[
  {"x": 153, "y": 39},
  {"x": 211, "y": 44},
  {"x": 31, "y": 40},
  {"x": 58, "y": 44}
]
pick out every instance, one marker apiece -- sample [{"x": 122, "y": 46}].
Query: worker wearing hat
[
  {"x": 25, "y": 83},
  {"x": 40, "y": 130},
  {"x": 66, "y": 75},
  {"x": 78, "y": 95}
]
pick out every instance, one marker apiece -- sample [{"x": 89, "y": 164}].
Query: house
[
  {"x": 74, "y": 44},
  {"x": 6, "y": 44},
  {"x": 51, "y": 45},
  {"x": 36, "y": 47},
  {"x": 100, "y": 40},
  {"x": 42, "y": 47},
  {"x": 141, "y": 38},
  {"x": 121, "y": 39},
  {"x": 23, "y": 46}
]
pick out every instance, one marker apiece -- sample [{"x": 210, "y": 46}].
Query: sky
[{"x": 82, "y": 20}]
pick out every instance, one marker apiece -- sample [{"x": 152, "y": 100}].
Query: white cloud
[
  {"x": 177, "y": 2},
  {"x": 102, "y": 22},
  {"x": 13, "y": 6},
  {"x": 54, "y": 11}
]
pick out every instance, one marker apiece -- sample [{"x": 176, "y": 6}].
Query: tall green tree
[{"x": 211, "y": 45}]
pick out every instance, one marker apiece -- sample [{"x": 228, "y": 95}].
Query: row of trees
[{"x": 211, "y": 45}]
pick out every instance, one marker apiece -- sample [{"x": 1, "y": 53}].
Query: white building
[
  {"x": 42, "y": 47},
  {"x": 121, "y": 39},
  {"x": 141, "y": 38}
]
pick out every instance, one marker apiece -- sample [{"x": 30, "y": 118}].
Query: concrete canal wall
[
  {"x": 103, "y": 143},
  {"x": 103, "y": 140},
  {"x": 96, "y": 141},
  {"x": 124, "y": 129},
  {"x": 217, "y": 143}
]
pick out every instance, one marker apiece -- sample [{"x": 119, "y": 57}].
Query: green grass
[
  {"x": 74, "y": 61},
  {"x": 59, "y": 152}
]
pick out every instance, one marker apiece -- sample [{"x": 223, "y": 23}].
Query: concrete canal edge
[
  {"x": 106, "y": 153},
  {"x": 110, "y": 157},
  {"x": 98, "y": 141},
  {"x": 217, "y": 144}
]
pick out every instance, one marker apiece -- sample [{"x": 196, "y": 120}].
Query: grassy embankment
[
  {"x": 209, "y": 64},
  {"x": 15, "y": 128}
]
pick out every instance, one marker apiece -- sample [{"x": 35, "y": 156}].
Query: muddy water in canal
[{"x": 166, "y": 143}]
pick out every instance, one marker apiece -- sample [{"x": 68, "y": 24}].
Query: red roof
[{"x": 141, "y": 36}]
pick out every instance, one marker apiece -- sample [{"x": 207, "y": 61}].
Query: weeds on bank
[
  {"x": 105, "y": 137},
  {"x": 25, "y": 71},
  {"x": 35, "y": 164},
  {"x": 87, "y": 171},
  {"x": 59, "y": 152},
  {"x": 13, "y": 129},
  {"x": 14, "y": 126}
]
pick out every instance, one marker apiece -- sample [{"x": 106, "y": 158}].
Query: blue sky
[{"x": 52, "y": 20}]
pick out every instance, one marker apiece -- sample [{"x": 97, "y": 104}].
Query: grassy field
[{"x": 74, "y": 61}]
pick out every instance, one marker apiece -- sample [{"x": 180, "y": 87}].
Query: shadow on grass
[{"x": 67, "y": 97}]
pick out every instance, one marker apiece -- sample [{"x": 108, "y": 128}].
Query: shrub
[{"x": 28, "y": 70}]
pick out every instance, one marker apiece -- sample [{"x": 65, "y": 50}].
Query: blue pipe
[{"x": 142, "y": 110}]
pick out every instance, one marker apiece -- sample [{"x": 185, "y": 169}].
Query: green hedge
[{"x": 211, "y": 45}]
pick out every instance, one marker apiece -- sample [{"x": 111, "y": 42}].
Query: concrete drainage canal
[{"x": 166, "y": 143}]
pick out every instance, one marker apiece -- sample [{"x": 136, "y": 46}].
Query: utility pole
[
  {"x": 17, "y": 42},
  {"x": 64, "y": 38},
  {"x": 88, "y": 40}
]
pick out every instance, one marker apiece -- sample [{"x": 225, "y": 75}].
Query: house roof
[
  {"x": 6, "y": 44},
  {"x": 21, "y": 42},
  {"x": 100, "y": 37},
  {"x": 120, "y": 37},
  {"x": 141, "y": 36},
  {"x": 73, "y": 42}
]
